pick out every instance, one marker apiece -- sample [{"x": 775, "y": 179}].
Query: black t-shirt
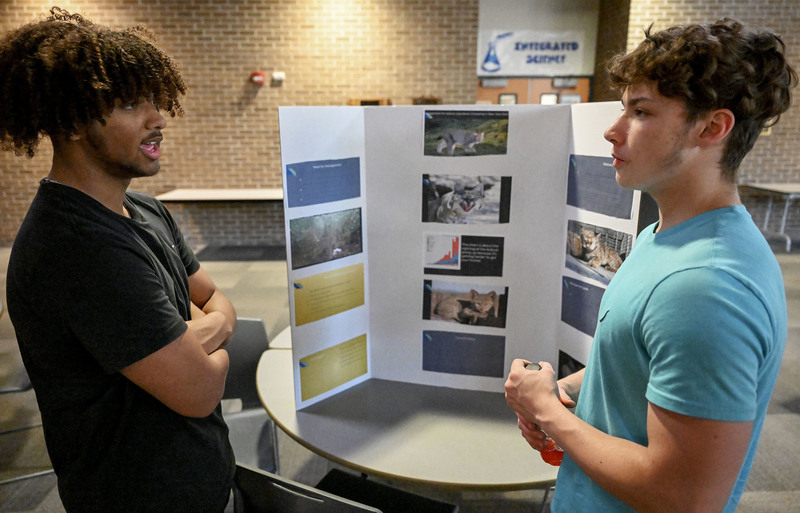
[{"x": 90, "y": 292}]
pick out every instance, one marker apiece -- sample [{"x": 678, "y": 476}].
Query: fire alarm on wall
[{"x": 258, "y": 77}]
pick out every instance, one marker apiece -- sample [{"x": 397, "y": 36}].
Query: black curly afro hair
[{"x": 61, "y": 73}]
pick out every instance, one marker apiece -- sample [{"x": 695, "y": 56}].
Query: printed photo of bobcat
[
  {"x": 464, "y": 304},
  {"x": 594, "y": 251},
  {"x": 458, "y": 137},
  {"x": 465, "y": 133},
  {"x": 456, "y": 199}
]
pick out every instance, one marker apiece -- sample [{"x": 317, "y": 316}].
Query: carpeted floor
[{"x": 259, "y": 289}]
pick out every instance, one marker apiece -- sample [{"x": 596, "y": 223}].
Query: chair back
[
  {"x": 20, "y": 382},
  {"x": 258, "y": 491},
  {"x": 245, "y": 348}
]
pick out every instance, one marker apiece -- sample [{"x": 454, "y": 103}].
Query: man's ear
[
  {"x": 717, "y": 125},
  {"x": 78, "y": 134},
  {"x": 67, "y": 138},
  {"x": 63, "y": 140}
]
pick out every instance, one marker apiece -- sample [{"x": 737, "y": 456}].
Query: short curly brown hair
[
  {"x": 61, "y": 73},
  {"x": 721, "y": 65}
]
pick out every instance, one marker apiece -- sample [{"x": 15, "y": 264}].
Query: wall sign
[{"x": 530, "y": 53}]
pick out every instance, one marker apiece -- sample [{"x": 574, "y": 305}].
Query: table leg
[
  {"x": 544, "y": 503},
  {"x": 783, "y": 225},
  {"x": 767, "y": 214}
]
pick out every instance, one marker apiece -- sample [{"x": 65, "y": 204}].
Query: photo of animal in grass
[{"x": 465, "y": 133}]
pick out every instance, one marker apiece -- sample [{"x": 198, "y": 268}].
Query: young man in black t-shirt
[{"x": 120, "y": 329}]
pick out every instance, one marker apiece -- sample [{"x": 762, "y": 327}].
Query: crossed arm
[
  {"x": 188, "y": 374},
  {"x": 689, "y": 464},
  {"x": 213, "y": 315}
]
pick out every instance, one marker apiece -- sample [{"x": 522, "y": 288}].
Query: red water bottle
[{"x": 552, "y": 454}]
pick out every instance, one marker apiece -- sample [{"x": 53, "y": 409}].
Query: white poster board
[{"x": 431, "y": 244}]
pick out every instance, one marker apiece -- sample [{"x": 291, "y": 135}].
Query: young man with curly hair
[
  {"x": 120, "y": 328},
  {"x": 692, "y": 328}
]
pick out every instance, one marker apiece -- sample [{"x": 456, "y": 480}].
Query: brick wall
[
  {"x": 231, "y": 224},
  {"x": 330, "y": 50},
  {"x": 612, "y": 37}
]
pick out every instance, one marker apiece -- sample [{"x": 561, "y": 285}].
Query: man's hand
[
  {"x": 196, "y": 313},
  {"x": 528, "y": 392},
  {"x": 532, "y": 434},
  {"x": 212, "y": 330}
]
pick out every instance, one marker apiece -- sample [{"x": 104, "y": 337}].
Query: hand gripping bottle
[{"x": 553, "y": 454}]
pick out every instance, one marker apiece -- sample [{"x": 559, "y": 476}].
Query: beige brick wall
[
  {"x": 330, "y": 50},
  {"x": 231, "y": 224},
  {"x": 612, "y": 37}
]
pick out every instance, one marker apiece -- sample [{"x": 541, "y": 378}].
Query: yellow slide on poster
[
  {"x": 329, "y": 368},
  {"x": 329, "y": 293}
]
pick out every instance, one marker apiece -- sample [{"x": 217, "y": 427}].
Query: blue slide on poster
[
  {"x": 580, "y": 303},
  {"x": 322, "y": 181},
  {"x": 592, "y": 186},
  {"x": 463, "y": 353}
]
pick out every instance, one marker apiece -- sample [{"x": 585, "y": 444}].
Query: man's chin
[
  {"x": 622, "y": 182},
  {"x": 132, "y": 172},
  {"x": 151, "y": 169}
]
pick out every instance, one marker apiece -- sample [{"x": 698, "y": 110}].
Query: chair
[
  {"x": 383, "y": 497},
  {"x": 21, "y": 383},
  {"x": 258, "y": 491},
  {"x": 252, "y": 433}
]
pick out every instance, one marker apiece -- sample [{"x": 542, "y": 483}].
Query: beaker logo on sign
[{"x": 491, "y": 63}]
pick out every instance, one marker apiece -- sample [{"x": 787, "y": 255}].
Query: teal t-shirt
[{"x": 694, "y": 322}]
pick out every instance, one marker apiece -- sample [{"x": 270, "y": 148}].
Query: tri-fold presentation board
[{"x": 435, "y": 244}]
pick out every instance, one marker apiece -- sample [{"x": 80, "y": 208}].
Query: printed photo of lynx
[
  {"x": 465, "y": 133},
  {"x": 476, "y": 305},
  {"x": 458, "y": 199},
  {"x": 594, "y": 251}
]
